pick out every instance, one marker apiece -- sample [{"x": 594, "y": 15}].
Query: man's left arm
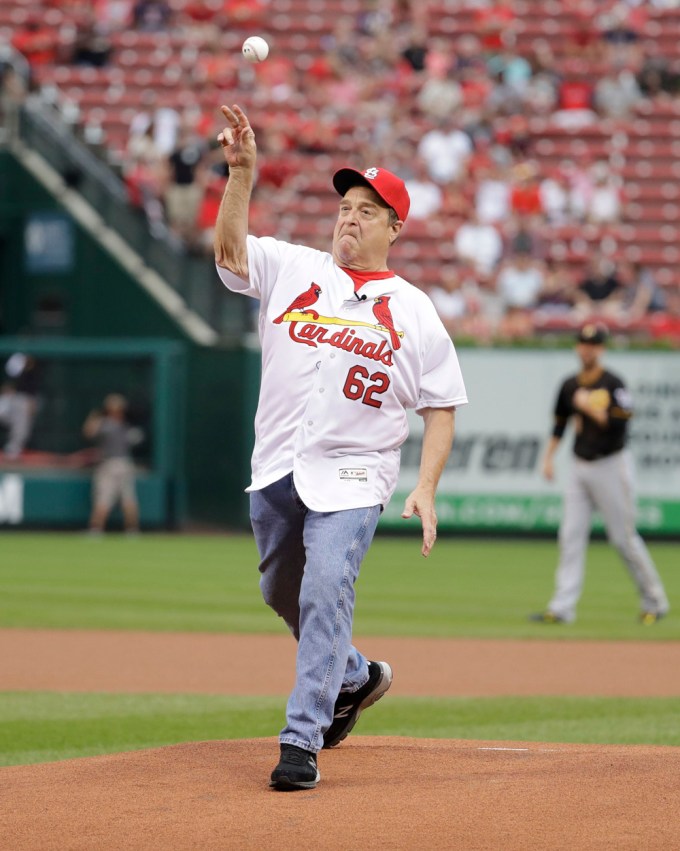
[{"x": 437, "y": 442}]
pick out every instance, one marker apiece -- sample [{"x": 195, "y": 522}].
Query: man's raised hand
[{"x": 237, "y": 139}]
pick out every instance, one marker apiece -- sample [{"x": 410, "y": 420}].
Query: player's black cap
[{"x": 594, "y": 333}]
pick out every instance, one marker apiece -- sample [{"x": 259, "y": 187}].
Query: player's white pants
[{"x": 605, "y": 485}]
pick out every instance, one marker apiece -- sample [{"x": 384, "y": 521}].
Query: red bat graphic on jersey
[
  {"x": 382, "y": 312},
  {"x": 301, "y": 302}
]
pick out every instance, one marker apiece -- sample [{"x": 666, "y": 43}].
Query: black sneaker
[
  {"x": 349, "y": 706},
  {"x": 296, "y": 770},
  {"x": 547, "y": 617}
]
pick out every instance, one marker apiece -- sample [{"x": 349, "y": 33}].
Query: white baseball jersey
[{"x": 338, "y": 373}]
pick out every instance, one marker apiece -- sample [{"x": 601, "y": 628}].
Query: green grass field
[{"x": 470, "y": 588}]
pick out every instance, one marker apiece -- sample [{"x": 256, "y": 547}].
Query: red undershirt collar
[{"x": 361, "y": 278}]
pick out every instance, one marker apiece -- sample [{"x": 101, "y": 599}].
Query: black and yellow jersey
[{"x": 608, "y": 393}]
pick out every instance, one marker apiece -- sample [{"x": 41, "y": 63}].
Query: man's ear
[{"x": 395, "y": 230}]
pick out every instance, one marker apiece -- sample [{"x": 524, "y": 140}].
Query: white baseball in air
[{"x": 255, "y": 49}]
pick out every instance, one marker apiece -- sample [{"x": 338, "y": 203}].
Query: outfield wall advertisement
[{"x": 493, "y": 480}]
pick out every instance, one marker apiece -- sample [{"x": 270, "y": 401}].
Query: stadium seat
[{"x": 644, "y": 151}]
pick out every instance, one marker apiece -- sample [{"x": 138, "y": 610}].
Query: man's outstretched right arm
[{"x": 231, "y": 228}]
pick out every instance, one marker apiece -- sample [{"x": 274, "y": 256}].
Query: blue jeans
[{"x": 310, "y": 561}]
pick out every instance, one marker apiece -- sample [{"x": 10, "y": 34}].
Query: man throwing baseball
[
  {"x": 347, "y": 347},
  {"x": 601, "y": 477}
]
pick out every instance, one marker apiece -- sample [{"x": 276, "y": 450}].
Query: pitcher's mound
[{"x": 375, "y": 793}]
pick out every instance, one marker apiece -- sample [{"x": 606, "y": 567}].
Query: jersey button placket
[{"x": 309, "y": 418}]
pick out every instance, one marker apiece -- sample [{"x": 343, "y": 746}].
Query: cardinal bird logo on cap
[
  {"x": 301, "y": 302},
  {"x": 382, "y": 312}
]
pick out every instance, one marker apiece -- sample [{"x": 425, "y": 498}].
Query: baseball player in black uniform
[{"x": 601, "y": 478}]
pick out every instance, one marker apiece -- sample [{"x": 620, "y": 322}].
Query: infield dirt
[
  {"x": 264, "y": 664},
  {"x": 376, "y": 792}
]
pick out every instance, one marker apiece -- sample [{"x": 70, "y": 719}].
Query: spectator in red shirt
[
  {"x": 37, "y": 42},
  {"x": 525, "y": 195},
  {"x": 575, "y": 94},
  {"x": 666, "y": 325},
  {"x": 575, "y": 98},
  {"x": 495, "y": 25}
]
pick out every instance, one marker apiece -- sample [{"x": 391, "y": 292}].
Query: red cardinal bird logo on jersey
[
  {"x": 301, "y": 302},
  {"x": 382, "y": 312}
]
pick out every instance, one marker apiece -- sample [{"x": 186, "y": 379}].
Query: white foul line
[
  {"x": 538, "y": 750},
  {"x": 502, "y": 749}
]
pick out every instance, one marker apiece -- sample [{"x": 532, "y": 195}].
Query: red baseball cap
[{"x": 391, "y": 188}]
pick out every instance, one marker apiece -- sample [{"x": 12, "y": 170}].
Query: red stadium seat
[{"x": 644, "y": 152}]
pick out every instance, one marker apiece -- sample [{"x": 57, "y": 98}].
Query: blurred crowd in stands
[{"x": 449, "y": 113}]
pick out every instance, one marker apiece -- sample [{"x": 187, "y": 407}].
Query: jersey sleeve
[
  {"x": 264, "y": 263},
  {"x": 563, "y": 409},
  {"x": 620, "y": 410},
  {"x": 621, "y": 405},
  {"x": 441, "y": 383}
]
